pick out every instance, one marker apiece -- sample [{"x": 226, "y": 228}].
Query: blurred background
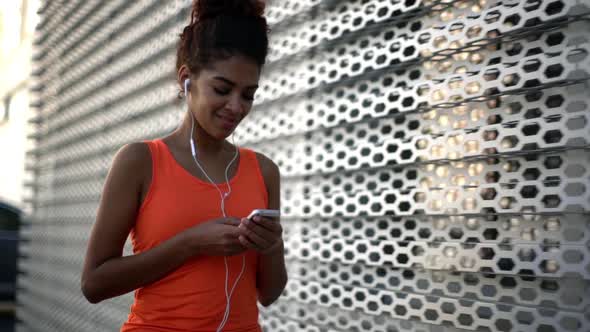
[
  {"x": 17, "y": 27},
  {"x": 434, "y": 156}
]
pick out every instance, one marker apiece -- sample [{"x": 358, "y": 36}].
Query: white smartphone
[{"x": 264, "y": 213}]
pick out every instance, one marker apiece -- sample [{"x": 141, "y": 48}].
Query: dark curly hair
[{"x": 219, "y": 29}]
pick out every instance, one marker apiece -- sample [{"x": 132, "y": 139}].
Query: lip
[{"x": 227, "y": 122}]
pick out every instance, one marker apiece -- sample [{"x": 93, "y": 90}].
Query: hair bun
[{"x": 204, "y": 9}]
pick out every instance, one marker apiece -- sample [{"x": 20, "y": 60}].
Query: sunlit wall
[{"x": 17, "y": 23}]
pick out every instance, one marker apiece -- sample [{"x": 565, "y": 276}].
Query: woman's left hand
[{"x": 261, "y": 234}]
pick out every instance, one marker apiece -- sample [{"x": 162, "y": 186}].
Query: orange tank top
[{"x": 192, "y": 298}]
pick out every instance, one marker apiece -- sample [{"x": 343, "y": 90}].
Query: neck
[{"x": 205, "y": 144}]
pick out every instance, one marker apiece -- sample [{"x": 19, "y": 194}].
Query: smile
[{"x": 228, "y": 122}]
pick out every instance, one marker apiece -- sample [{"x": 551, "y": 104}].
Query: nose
[{"x": 235, "y": 105}]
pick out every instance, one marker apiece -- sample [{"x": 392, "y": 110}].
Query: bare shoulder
[
  {"x": 134, "y": 162},
  {"x": 133, "y": 154},
  {"x": 268, "y": 167}
]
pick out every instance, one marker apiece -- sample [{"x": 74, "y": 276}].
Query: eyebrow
[{"x": 223, "y": 79}]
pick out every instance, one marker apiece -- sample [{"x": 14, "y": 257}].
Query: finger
[
  {"x": 231, "y": 221},
  {"x": 271, "y": 224},
  {"x": 240, "y": 246},
  {"x": 232, "y": 232},
  {"x": 266, "y": 220},
  {"x": 259, "y": 241},
  {"x": 247, "y": 243},
  {"x": 242, "y": 227},
  {"x": 260, "y": 231}
]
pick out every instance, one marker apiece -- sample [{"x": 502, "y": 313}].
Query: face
[{"x": 221, "y": 95}]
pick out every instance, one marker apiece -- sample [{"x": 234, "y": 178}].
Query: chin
[
  {"x": 221, "y": 134},
  {"x": 225, "y": 133},
  {"x": 218, "y": 132}
]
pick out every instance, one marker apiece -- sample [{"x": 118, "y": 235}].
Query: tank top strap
[
  {"x": 163, "y": 160},
  {"x": 157, "y": 156},
  {"x": 162, "y": 167},
  {"x": 153, "y": 149},
  {"x": 165, "y": 170}
]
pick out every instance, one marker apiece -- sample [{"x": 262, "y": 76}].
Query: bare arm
[
  {"x": 272, "y": 274},
  {"x": 106, "y": 273}
]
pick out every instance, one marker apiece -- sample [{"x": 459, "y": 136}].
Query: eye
[{"x": 221, "y": 92}]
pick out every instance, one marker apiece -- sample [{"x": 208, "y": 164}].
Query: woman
[{"x": 198, "y": 264}]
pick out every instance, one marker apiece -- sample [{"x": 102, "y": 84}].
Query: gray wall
[{"x": 434, "y": 158}]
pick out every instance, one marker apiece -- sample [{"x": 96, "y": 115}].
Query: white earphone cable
[{"x": 223, "y": 197}]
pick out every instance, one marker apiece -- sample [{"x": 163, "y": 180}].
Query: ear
[{"x": 183, "y": 74}]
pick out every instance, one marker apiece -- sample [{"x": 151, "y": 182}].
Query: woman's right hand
[{"x": 218, "y": 237}]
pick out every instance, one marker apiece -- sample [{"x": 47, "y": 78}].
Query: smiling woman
[
  {"x": 198, "y": 263},
  {"x": 221, "y": 95}
]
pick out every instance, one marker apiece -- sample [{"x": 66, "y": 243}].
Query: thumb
[
  {"x": 231, "y": 221},
  {"x": 231, "y": 230}
]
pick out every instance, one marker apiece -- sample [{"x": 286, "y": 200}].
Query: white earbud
[{"x": 187, "y": 82}]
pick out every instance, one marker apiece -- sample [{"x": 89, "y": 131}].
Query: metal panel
[{"x": 434, "y": 156}]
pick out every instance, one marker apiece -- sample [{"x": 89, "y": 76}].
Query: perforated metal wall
[{"x": 434, "y": 155}]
